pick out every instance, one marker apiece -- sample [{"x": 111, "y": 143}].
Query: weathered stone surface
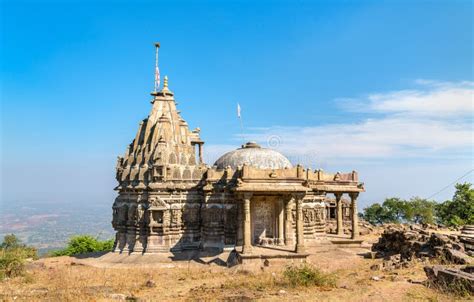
[
  {"x": 457, "y": 257},
  {"x": 469, "y": 269},
  {"x": 401, "y": 245},
  {"x": 448, "y": 278}
]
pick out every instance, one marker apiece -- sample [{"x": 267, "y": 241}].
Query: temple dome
[{"x": 253, "y": 155}]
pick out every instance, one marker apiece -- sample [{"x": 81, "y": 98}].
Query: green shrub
[
  {"x": 307, "y": 275},
  {"x": 12, "y": 264},
  {"x": 84, "y": 244},
  {"x": 13, "y": 255}
]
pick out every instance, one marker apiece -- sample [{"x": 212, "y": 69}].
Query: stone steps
[{"x": 347, "y": 242}]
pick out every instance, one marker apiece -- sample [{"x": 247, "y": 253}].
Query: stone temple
[{"x": 169, "y": 200}]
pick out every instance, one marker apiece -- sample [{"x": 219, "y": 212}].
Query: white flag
[
  {"x": 238, "y": 110},
  {"x": 157, "y": 78}
]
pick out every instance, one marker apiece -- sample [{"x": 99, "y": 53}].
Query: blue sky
[{"x": 382, "y": 87}]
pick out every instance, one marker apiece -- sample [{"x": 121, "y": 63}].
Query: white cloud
[
  {"x": 432, "y": 99},
  {"x": 414, "y": 143},
  {"x": 430, "y": 122}
]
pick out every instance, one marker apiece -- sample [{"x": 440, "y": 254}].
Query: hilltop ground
[{"x": 74, "y": 279}]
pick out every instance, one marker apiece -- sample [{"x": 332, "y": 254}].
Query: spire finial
[{"x": 165, "y": 88}]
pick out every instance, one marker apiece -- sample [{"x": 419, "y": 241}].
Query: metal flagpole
[{"x": 157, "y": 71}]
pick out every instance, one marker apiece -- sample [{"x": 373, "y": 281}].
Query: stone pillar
[
  {"x": 240, "y": 225},
  {"x": 355, "y": 217},
  {"x": 200, "y": 153},
  {"x": 340, "y": 227},
  {"x": 288, "y": 223},
  {"x": 300, "y": 248},
  {"x": 281, "y": 222},
  {"x": 247, "y": 245}
]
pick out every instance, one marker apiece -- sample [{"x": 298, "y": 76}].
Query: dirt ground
[{"x": 72, "y": 279}]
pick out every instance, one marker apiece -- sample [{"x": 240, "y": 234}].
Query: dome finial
[{"x": 251, "y": 144}]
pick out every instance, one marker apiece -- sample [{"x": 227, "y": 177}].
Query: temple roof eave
[
  {"x": 270, "y": 188},
  {"x": 334, "y": 188}
]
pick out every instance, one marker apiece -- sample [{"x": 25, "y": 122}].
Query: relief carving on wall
[
  {"x": 320, "y": 214},
  {"x": 176, "y": 216}
]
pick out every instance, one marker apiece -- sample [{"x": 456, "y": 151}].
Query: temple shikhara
[{"x": 170, "y": 200}]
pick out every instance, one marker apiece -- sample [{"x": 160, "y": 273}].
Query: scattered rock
[
  {"x": 376, "y": 267},
  {"x": 120, "y": 297},
  {"x": 73, "y": 263},
  {"x": 416, "y": 281},
  {"x": 282, "y": 292},
  {"x": 39, "y": 291},
  {"x": 150, "y": 283},
  {"x": 344, "y": 286}
]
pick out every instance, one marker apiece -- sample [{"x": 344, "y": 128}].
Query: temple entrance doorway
[{"x": 264, "y": 221}]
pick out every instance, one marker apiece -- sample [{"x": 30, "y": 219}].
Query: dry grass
[{"x": 59, "y": 279}]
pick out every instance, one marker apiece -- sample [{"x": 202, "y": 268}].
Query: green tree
[
  {"x": 84, "y": 244},
  {"x": 375, "y": 214},
  {"x": 396, "y": 210},
  {"x": 10, "y": 242},
  {"x": 459, "y": 210},
  {"x": 421, "y": 210}
]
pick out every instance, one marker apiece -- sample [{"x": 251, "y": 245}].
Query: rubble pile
[
  {"x": 400, "y": 246},
  {"x": 467, "y": 237},
  {"x": 449, "y": 278}
]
